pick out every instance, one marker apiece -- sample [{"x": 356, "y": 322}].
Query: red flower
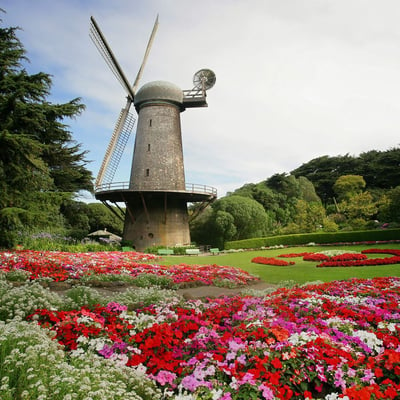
[
  {"x": 276, "y": 363},
  {"x": 271, "y": 261}
]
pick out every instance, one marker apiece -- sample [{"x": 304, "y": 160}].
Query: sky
[{"x": 295, "y": 79}]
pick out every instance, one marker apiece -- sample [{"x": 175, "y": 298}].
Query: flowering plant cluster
[
  {"x": 271, "y": 261},
  {"x": 293, "y": 255},
  {"x": 60, "y": 266},
  {"x": 361, "y": 262},
  {"x": 337, "y": 340},
  {"x": 339, "y": 257},
  {"x": 327, "y": 259}
]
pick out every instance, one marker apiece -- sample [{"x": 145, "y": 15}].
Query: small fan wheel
[{"x": 204, "y": 78}]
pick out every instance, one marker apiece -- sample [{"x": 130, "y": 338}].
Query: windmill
[{"x": 156, "y": 196}]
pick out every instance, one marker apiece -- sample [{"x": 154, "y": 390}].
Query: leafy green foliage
[
  {"x": 390, "y": 207},
  {"x": 40, "y": 164},
  {"x": 319, "y": 237},
  {"x": 378, "y": 168},
  {"x": 347, "y": 186},
  {"x": 100, "y": 217}
]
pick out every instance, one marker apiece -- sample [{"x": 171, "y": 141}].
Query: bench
[
  {"x": 214, "y": 250},
  {"x": 192, "y": 252},
  {"x": 165, "y": 252}
]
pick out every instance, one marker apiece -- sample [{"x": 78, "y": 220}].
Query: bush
[
  {"x": 318, "y": 237},
  {"x": 33, "y": 366},
  {"x": 21, "y": 301},
  {"x": 147, "y": 280},
  {"x": 85, "y": 296},
  {"x": 142, "y": 297}
]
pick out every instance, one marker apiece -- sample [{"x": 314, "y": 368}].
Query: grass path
[{"x": 302, "y": 271}]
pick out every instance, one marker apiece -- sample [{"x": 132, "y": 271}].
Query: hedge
[{"x": 318, "y": 238}]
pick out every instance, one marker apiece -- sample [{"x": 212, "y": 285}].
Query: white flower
[{"x": 370, "y": 339}]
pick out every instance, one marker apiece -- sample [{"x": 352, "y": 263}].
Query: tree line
[{"x": 285, "y": 204}]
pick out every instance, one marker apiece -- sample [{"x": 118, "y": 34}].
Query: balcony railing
[{"x": 189, "y": 187}]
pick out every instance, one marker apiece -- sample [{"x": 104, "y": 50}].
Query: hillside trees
[
  {"x": 380, "y": 170},
  {"x": 355, "y": 204},
  {"x": 390, "y": 208},
  {"x": 40, "y": 164}
]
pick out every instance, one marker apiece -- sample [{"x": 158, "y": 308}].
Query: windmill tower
[{"x": 157, "y": 194}]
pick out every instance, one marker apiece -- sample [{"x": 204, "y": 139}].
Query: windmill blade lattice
[
  {"x": 116, "y": 147},
  {"x": 104, "y": 49}
]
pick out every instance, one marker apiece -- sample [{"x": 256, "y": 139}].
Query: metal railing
[
  {"x": 196, "y": 188},
  {"x": 105, "y": 187},
  {"x": 189, "y": 187}
]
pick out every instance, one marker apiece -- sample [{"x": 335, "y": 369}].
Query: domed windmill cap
[{"x": 159, "y": 90}]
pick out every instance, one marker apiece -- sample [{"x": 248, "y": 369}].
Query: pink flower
[
  {"x": 164, "y": 377},
  {"x": 267, "y": 393}
]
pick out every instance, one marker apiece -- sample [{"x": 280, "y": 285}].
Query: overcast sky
[{"x": 296, "y": 79}]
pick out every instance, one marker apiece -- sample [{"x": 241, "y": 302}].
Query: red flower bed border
[
  {"x": 367, "y": 262},
  {"x": 349, "y": 259},
  {"x": 271, "y": 261}
]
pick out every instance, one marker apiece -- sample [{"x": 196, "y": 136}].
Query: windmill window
[
  {"x": 148, "y": 147},
  {"x": 150, "y": 122},
  {"x": 147, "y": 172}
]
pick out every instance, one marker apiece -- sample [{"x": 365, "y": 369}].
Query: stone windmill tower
[{"x": 156, "y": 196}]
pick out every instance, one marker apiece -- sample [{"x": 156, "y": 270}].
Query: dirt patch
[{"x": 198, "y": 292}]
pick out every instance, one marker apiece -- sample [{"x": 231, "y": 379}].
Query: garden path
[{"x": 199, "y": 292}]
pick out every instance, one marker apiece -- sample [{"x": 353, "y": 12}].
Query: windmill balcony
[{"x": 189, "y": 188}]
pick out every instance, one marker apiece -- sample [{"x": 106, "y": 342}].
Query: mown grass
[{"x": 301, "y": 272}]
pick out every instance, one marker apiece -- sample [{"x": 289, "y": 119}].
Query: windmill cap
[{"x": 159, "y": 90}]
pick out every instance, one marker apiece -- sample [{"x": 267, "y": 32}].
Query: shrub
[
  {"x": 33, "y": 366},
  {"x": 318, "y": 237},
  {"x": 141, "y": 297},
  {"x": 19, "y": 302},
  {"x": 85, "y": 296},
  {"x": 146, "y": 280}
]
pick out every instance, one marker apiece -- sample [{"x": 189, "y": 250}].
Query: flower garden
[{"x": 336, "y": 340}]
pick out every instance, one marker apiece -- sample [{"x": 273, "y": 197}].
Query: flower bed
[
  {"x": 60, "y": 266},
  {"x": 293, "y": 255},
  {"x": 326, "y": 341},
  {"x": 271, "y": 261},
  {"x": 348, "y": 259},
  {"x": 362, "y": 262}
]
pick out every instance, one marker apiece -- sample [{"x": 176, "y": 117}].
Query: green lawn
[{"x": 301, "y": 272}]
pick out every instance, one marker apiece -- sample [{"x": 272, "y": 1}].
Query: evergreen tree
[{"x": 40, "y": 164}]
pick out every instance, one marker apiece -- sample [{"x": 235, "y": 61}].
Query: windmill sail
[
  {"x": 104, "y": 49},
  {"x": 146, "y": 55},
  {"x": 116, "y": 147}
]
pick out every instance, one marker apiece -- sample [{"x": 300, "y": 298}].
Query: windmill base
[{"x": 155, "y": 220}]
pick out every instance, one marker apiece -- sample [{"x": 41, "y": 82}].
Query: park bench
[
  {"x": 192, "y": 252},
  {"x": 214, "y": 250},
  {"x": 165, "y": 252}
]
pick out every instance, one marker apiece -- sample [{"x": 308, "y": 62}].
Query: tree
[
  {"x": 101, "y": 217},
  {"x": 38, "y": 157},
  {"x": 324, "y": 171},
  {"x": 358, "y": 209},
  {"x": 380, "y": 169},
  {"x": 309, "y": 216},
  {"x": 307, "y": 190},
  {"x": 389, "y": 211},
  {"x": 347, "y": 186},
  {"x": 249, "y": 217}
]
